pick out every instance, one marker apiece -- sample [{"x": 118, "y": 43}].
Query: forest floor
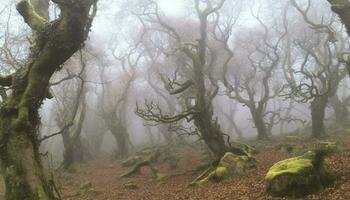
[{"x": 100, "y": 180}]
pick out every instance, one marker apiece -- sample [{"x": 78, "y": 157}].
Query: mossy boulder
[
  {"x": 237, "y": 164},
  {"x": 298, "y": 176},
  {"x": 229, "y": 165}
]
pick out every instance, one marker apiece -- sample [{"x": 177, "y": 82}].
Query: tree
[
  {"x": 196, "y": 61},
  {"x": 53, "y": 43},
  {"x": 71, "y": 109},
  {"x": 258, "y": 59},
  {"x": 113, "y": 108},
  {"x": 320, "y": 72}
]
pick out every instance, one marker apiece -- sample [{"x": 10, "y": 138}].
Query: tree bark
[
  {"x": 55, "y": 42},
  {"x": 211, "y": 135},
  {"x": 259, "y": 122},
  {"x": 318, "y": 107}
]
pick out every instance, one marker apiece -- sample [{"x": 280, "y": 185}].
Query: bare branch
[{"x": 63, "y": 130}]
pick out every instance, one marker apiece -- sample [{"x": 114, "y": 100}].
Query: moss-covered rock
[
  {"x": 298, "y": 176},
  {"x": 229, "y": 165},
  {"x": 221, "y": 173},
  {"x": 237, "y": 164}
]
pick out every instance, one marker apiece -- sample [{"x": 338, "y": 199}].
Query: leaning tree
[{"x": 53, "y": 43}]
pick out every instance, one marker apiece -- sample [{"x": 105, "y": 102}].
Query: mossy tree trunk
[
  {"x": 211, "y": 134},
  {"x": 55, "y": 42},
  {"x": 318, "y": 107},
  {"x": 210, "y": 130}
]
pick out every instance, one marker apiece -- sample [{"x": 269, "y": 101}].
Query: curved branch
[{"x": 33, "y": 19}]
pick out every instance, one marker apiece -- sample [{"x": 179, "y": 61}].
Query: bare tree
[
  {"x": 320, "y": 71},
  {"x": 114, "y": 109},
  {"x": 192, "y": 85},
  {"x": 252, "y": 76},
  {"x": 72, "y": 112}
]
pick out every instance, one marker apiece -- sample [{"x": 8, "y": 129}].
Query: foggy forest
[{"x": 174, "y": 99}]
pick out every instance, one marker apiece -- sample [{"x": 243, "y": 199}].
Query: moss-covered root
[
  {"x": 298, "y": 176},
  {"x": 228, "y": 166},
  {"x": 137, "y": 167}
]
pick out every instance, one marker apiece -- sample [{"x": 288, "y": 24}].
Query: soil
[{"x": 100, "y": 180}]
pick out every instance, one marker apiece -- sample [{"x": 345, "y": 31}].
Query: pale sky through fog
[
  {"x": 103, "y": 27},
  {"x": 172, "y": 7},
  {"x": 106, "y": 23}
]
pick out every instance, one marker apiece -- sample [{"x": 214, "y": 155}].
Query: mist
[{"x": 182, "y": 99}]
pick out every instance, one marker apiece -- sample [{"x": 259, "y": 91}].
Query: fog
[{"x": 94, "y": 88}]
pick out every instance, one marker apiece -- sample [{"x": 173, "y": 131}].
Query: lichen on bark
[{"x": 54, "y": 43}]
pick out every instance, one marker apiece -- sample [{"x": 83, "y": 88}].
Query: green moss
[
  {"x": 34, "y": 20},
  {"x": 298, "y": 176},
  {"x": 228, "y": 166},
  {"x": 290, "y": 166},
  {"x": 42, "y": 195},
  {"x": 237, "y": 164},
  {"x": 221, "y": 173}
]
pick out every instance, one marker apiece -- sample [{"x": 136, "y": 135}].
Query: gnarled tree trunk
[
  {"x": 54, "y": 43},
  {"x": 211, "y": 135}
]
